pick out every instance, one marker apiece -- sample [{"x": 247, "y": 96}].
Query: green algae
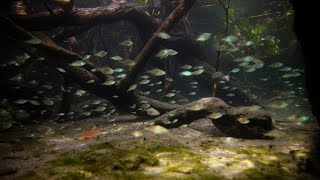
[
  {"x": 120, "y": 159},
  {"x": 106, "y": 157},
  {"x": 130, "y": 160}
]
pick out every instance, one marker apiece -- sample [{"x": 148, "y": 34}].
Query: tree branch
[{"x": 146, "y": 52}]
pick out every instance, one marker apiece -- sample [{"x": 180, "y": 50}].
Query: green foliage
[{"x": 249, "y": 38}]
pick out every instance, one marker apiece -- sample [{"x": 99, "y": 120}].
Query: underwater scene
[{"x": 153, "y": 89}]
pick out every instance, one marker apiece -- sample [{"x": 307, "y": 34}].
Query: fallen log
[{"x": 240, "y": 122}]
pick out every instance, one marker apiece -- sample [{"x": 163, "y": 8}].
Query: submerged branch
[{"x": 146, "y": 52}]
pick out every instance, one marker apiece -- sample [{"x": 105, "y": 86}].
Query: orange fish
[{"x": 91, "y": 134}]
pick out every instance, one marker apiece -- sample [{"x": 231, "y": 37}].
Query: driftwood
[
  {"x": 146, "y": 52},
  {"x": 242, "y": 122}
]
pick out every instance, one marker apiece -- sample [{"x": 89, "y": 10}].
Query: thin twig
[{"x": 226, "y": 8}]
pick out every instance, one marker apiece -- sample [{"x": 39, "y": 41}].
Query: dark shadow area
[{"x": 305, "y": 20}]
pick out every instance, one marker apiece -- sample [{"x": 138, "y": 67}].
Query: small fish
[
  {"x": 145, "y": 105},
  {"x": 86, "y": 113},
  {"x": 198, "y": 67},
  {"x": 217, "y": 75},
  {"x": 215, "y": 115},
  {"x": 157, "y": 72},
  {"x": 132, "y": 87},
  {"x": 128, "y": 62},
  {"x": 244, "y": 64},
  {"x": 61, "y": 70},
  {"x": 106, "y": 70},
  {"x": 60, "y": 114},
  {"x": 186, "y": 73},
  {"x": 276, "y": 65},
  {"x": 100, "y": 54},
  {"x": 47, "y": 101},
  {"x": 80, "y": 92},
  {"x": 243, "y": 120},
  {"x": 96, "y": 102},
  {"x": 86, "y": 57},
  {"x": 100, "y": 109},
  {"x": 16, "y": 78},
  {"x": 196, "y": 107},
  {"x": 203, "y": 37},
  {"x": 126, "y": 43},
  {"x": 90, "y": 81},
  {"x": 165, "y": 53},
  {"x": 163, "y": 35},
  {"x": 186, "y": 67},
  {"x": 170, "y": 95},
  {"x": 109, "y": 83},
  {"x": 285, "y": 69},
  {"x": 168, "y": 79},
  {"x": 248, "y": 43},
  {"x": 21, "y": 101},
  {"x": 145, "y": 81},
  {"x": 144, "y": 77},
  {"x": 78, "y": 63},
  {"x": 250, "y": 69},
  {"x": 121, "y": 76},
  {"x": 235, "y": 70},
  {"x": 34, "y": 102},
  {"x": 117, "y": 58},
  {"x": 198, "y": 72},
  {"x": 230, "y": 39},
  {"x": 33, "y": 41},
  {"x": 40, "y": 59},
  {"x": 47, "y": 86}
]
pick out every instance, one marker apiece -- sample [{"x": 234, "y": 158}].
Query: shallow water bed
[{"x": 137, "y": 150}]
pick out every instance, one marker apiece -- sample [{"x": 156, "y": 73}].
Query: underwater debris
[{"x": 91, "y": 134}]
